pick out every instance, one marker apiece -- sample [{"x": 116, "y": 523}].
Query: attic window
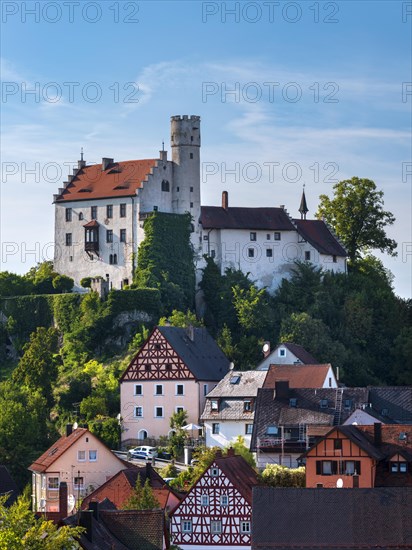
[
  {"x": 282, "y": 352},
  {"x": 384, "y": 412},
  {"x": 214, "y": 472},
  {"x": 347, "y": 403},
  {"x": 247, "y": 405},
  {"x": 85, "y": 190},
  {"x": 293, "y": 402},
  {"x": 235, "y": 379},
  {"x": 214, "y": 405},
  {"x": 323, "y": 403}
]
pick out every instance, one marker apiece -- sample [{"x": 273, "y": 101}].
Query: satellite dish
[
  {"x": 71, "y": 501},
  {"x": 75, "y": 426},
  {"x": 354, "y": 423},
  {"x": 339, "y": 483},
  {"x": 266, "y": 348}
]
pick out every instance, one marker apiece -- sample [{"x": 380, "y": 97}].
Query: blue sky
[{"x": 319, "y": 93}]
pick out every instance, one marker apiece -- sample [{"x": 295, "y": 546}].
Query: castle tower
[{"x": 185, "y": 143}]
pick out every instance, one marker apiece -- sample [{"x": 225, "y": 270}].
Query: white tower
[{"x": 185, "y": 143}]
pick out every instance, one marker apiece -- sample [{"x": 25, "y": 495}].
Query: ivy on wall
[{"x": 165, "y": 260}]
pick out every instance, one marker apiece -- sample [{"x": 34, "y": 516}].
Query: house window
[
  {"x": 109, "y": 211},
  {"x": 251, "y": 252},
  {"x": 214, "y": 472},
  {"x": 109, "y": 235},
  {"x": 205, "y": 389},
  {"x": 138, "y": 412},
  {"x": 268, "y": 236},
  {"x": 191, "y": 205},
  {"x": 247, "y": 405},
  {"x": 68, "y": 239},
  {"x": 307, "y": 256},
  {"x": 245, "y": 527},
  {"x": 269, "y": 253},
  {"x": 179, "y": 409},
  {"x": 159, "y": 389},
  {"x": 159, "y": 412},
  {"x": 191, "y": 189},
  {"x": 205, "y": 237},
  {"x": 293, "y": 402},
  {"x": 93, "y": 212},
  {"x": 92, "y": 456},
  {"x": 165, "y": 186},
  {"x": 215, "y": 428},
  {"x": 123, "y": 210},
  {"x": 253, "y": 236},
  {"x": 224, "y": 500},
  {"x": 347, "y": 403},
  {"x": 213, "y": 253},
  {"x": 180, "y": 389},
  {"x": 248, "y": 429},
  {"x": 80, "y": 215},
  {"x": 214, "y": 405},
  {"x": 52, "y": 483},
  {"x": 187, "y": 526},
  {"x": 272, "y": 430},
  {"x": 113, "y": 259},
  {"x": 204, "y": 499},
  {"x": 168, "y": 367},
  {"x": 282, "y": 352},
  {"x": 323, "y": 403},
  {"x": 334, "y": 259},
  {"x": 177, "y": 189},
  {"x": 123, "y": 235},
  {"x": 216, "y": 527},
  {"x": 326, "y": 467},
  {"x": 401, "y": 467},
  {"x": 138, "y": 389},
  {"x": 350, "y": 467},
  {"x": 191, "y": 155},
  {"x": 276, "y": 235},
  {"x": 337, "y": 444},
  {"x": 68, "y": 214},
  {"x": 78, "y": 483},
  {"x": 81, "y": 456}
]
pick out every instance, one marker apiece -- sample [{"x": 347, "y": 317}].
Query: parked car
[{"x": 142, "y": 452}]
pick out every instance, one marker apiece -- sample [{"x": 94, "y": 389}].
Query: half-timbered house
[
  {"x": 217, "y": 511},
  {"x": 174, "y": 370}
]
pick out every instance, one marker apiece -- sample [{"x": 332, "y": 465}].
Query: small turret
[{"x": 303, "y": 208}]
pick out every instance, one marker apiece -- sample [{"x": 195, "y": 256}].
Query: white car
[{"x": 142, "y": 452}]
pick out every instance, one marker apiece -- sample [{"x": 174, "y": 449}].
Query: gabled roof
[
  {"x": 202, "y": 355},
  {"x": 299, "y": 376},
  {"x": 60, "y": 447},
  {"x": 300, "y": 353},
  {"x": 216, "y": 217},
  {"x": 120, "y": 179},
  {"x": 239, "y": 384},
  {"x": 238, "y": 471},
  {"x": 394, "y": 401},
  {"x": 348, "y": 519},
  {"x": 317, "y": 233},
  {"x": 8, "y": 485},
  {"x": 392, "y": 443}
]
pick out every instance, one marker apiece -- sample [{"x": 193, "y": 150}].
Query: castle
[{"x": 99, "y": 216}]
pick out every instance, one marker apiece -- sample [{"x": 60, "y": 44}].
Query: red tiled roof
[
  {"x": 316, "y": 233},
  {"x": 56, "y": 450},
  {"x": 299, "y": 376},
  {"x": 92, "y": 223},
  {"x": 216, "y": 217},
  {"x": 120, "y": 179}
]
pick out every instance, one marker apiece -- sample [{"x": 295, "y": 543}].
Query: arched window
[
  {"x": 80, "y": 215},
  {"x": 165, "y": 186},
  {"x": 115, "y": 259},
  {"x": 142, "y": 434}
]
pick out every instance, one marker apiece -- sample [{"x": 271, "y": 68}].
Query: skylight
[{"x": 235, "y": 379}]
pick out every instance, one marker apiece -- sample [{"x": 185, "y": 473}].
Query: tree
[
  {"x": 357, "y": 216},
  {"x": 21, "y": 530},
  {"x": 240, "y": 449},
  {"x": 177, "y": 440},
  {"x": 276, "y": 475},
  {"x": 38, "y": 367},
  {"x": 181, "y": 319},
  {"x": 62, "y": 283},
  {"x": 142, "y": 497}
]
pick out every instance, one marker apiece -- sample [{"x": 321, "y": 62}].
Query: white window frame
[
  {"x": 245, "y": 527},
  {"x": 213, "y": 428},
  {"x": 187, "y": 526},
  {"x": 183, "y": 389},
  {"x": 48, "y": 483},
  {"x": 158, "y": 386},
  {"x": 78, "y": 456},
  {"x": 78, "y": 485},
  {"x": 222, "y": 498},
  {"x": 179, "y": 408},
  {"x": 155, "y": 411},
  {"x": 141, "y": 389},
  {"x": 204, "y": 500},
  {"x": 282, "y": 352},
  {"x": 93, "y": 459},
  {"x": 214, "y": 472},
  {"x": 277, "y": 236},
  {"x": 135, "y": 415},
  {"x": 216, "y": 527},
  {"x": 247, "y": 428}
]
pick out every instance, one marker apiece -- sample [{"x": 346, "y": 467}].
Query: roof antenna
[
  {"x": 163, "y": 146},
  {"x": 303, "y": 208}
]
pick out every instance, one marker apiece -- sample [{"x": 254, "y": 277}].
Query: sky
[{"x": 289, "y": 94}]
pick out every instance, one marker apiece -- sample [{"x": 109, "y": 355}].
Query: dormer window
[
  {"x": 247, "y": 405},
  {"x": 272, "y": 430},
  {"x": 293, "y": 402},
  {"x": 214, "y": 405},
  {"x": 323, "y": 403}
]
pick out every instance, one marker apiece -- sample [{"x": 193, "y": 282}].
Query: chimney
[
  {"x": 163, "y": 155},
  {"x": 69, "y": 429},
  {"x": 231, "y": 451},
  {"x": 63, "y": 494},
  {"x": 106, "y": 161},
  {"x": 282, "y": 389},
  {"x": 218, "y": 454},
  {"x": 377, "y": 434},
  {"x": 225, "y": 200},
  {"x": 94, "y": 507},
  {"x": 86, "y": 520}
]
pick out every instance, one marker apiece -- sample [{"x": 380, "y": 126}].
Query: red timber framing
[
  {"x": 213, "y": 504},
  {"x": 157, "y": 360}
]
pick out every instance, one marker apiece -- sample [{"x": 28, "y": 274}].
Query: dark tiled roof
[
  {"x": 316, "y": 233},
  {"x": 300, "y": 353},
  {"x": 285, "y": 518},
  {"x": 395, "y": 401},
  {"x": 216, "y": 217},
  {"x": 391, "y": 443},
  {"x": 120, "y": 179},
  {"x": 276, "y": 412},
  {"x": 299, "y": 376},
  {"x": 136, "y": 529},
  {"x": 202, "y": 356},
  {"x": 230, "y": 408},
  {"x": 8, "y": 485},
  {"x": 238, "y": 471},
  {"x": 246, "y": 386}
]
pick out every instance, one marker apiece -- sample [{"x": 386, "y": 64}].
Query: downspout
[{"x": 133, "y": 239}]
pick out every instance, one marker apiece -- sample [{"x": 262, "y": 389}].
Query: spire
[{"x": 303, "y": 208}]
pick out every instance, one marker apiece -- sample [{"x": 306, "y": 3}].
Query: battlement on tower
[{"x": 192, "y": 118}]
